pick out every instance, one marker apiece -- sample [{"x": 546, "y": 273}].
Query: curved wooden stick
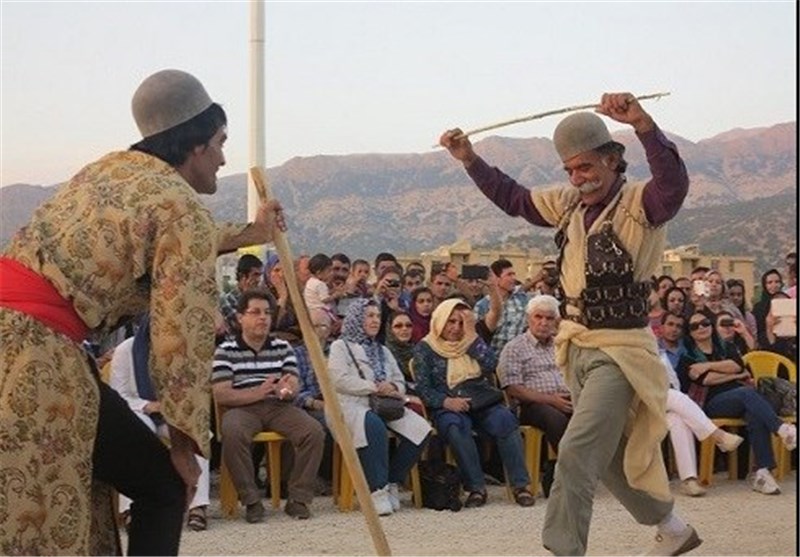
[
  {"x": 544, "y": 114},
  {"x": 332, "y": 406}
]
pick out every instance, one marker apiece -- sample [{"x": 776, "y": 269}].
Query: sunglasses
[{"x": 703, "y": 323}]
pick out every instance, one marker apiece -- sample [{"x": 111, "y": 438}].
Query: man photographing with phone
[{"x": 511, "y": 322}]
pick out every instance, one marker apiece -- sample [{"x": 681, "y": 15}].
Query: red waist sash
[{"x": 27, "y": 292}]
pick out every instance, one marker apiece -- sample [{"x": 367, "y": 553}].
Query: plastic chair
[
  {"x": 708, "y": 448},
  {"x": 343, "y": 483},
  {"x": 228, "y": 497},
  {"x": 761, "y": 364},
  {"x": 766, "y": 364}
]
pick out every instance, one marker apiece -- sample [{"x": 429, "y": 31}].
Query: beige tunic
[
  {"x": 634, "y": 350},
  {"x": 125, "y": 235}
]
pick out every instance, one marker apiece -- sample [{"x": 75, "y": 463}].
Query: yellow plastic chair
[
  {"x": 343, "y": 483},
  {"x": 228, "y": 497},
  {"x": 766, "y": 364},
  {"x": 533, "y": 438},
  {"x": 761, "y": 364},
  {"x": 705, "y": 471}
]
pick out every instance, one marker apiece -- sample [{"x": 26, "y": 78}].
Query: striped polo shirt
[{"x": 235, "y": 361}]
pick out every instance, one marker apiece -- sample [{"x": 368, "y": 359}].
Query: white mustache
[{"x": 589, "y": 187}]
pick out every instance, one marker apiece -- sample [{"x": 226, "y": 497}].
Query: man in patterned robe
[{"x": 127, "y": 234}]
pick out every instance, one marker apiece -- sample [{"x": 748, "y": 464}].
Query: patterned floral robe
[{"x": 126, "y": 234}]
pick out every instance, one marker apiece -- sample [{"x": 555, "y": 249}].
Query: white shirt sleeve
[{"x": 122, "y": 378}]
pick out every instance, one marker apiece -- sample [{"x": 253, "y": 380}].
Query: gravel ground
[{"x": 731, "y": 519}]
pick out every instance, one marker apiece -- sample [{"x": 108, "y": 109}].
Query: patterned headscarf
[{"x": 353, "y": 331}]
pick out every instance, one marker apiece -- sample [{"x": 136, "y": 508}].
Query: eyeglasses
[
  {"x": 258, "y": 312},
  {"x": 401, "y": 326},
  {"x": 703, "y": 323}
]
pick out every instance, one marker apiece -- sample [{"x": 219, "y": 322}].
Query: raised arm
[{"x": 665, "y": 191}]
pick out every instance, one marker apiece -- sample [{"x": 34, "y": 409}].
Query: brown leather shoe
[
  {"x": 296, "y": 509},
  {"x": 255, "y": 512}
]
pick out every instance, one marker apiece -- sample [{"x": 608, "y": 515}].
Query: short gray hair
[{"x": 543, "y": 301}]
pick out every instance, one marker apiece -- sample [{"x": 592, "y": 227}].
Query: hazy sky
[{"x": 383, "y": 77}]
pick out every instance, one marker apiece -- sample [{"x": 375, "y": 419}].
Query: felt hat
[
  {"x": 578, "y": 133},
  {"x": 166, "y": 99}
]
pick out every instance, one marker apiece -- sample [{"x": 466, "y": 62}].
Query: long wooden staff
[
  {"x": 544, "y": 114},
  {"x": 332, "y": 406}
]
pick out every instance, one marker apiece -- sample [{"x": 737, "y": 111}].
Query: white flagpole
[{"x": 257, "y": 135}]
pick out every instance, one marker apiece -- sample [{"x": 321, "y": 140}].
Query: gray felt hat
[
  {"x": 578, "y": 133},
  {"x": 166, "y": 99}
]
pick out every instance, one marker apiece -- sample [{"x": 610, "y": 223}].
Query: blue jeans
[
  {"x": 375, "y": 456},
  {"x": 762, "y": 422},
  {"x": 499, "y": 423}
]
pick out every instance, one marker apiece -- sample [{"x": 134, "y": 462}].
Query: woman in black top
[{"x": 715, "y": 368}]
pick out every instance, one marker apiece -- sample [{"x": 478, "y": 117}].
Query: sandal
[
  {"x": 523, "y": 497},
  {"x": 476, "y": 499},
  {"x": 197, "y": 519}
]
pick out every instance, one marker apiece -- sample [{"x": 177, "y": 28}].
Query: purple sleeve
[
  {"x": 504, "y": 192},
  {"x": 666, "y": 190}
]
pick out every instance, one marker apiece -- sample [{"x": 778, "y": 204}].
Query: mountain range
[{"x": 742, "y": 199}]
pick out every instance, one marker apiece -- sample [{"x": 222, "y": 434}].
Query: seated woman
[
  {"x": 714, "y": 370},
  {"x": 130, "y": 377},
  {"x": 685, "y": 421},
  {"x": 450, "y": 354},
  {"x": 360, "y": 366},
  {"x": 399, "y": 343}
]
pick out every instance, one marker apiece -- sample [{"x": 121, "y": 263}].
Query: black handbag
[
  {"x": 481, "y": 393},
  {"x": 388, "y": 407}
]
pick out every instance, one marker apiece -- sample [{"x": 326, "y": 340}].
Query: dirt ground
[{"x": 731, "y": 519}]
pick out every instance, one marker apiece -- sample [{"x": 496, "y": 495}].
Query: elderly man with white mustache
[{"x": 611, "y": 237}]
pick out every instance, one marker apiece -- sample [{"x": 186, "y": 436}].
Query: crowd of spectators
[{"x": 417, "y": 335}]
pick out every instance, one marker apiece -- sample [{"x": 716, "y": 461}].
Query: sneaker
[
  {"x": 678, "y": 544},
  {"x": 394, "y": 496},
  {"x": 692, "y": 487},
  {"x": 380, "y": 499},
  {"x": 763, "y": 482},
  {"x": 788, "y": 434},
  {"x": 255, "y": 512},
  {"x": 296, "y": 509},
  {"x": 729, "y": 442}
]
